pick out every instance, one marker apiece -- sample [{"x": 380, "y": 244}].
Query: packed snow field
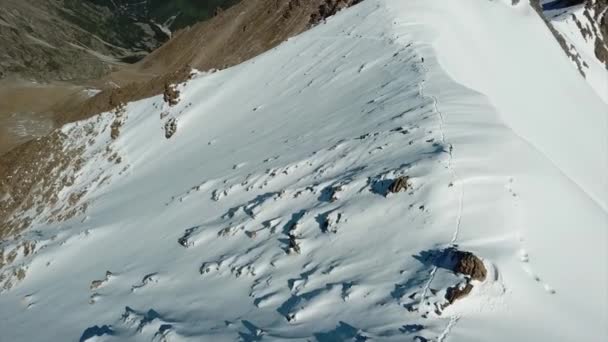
[{"x": 269, "y": 212}]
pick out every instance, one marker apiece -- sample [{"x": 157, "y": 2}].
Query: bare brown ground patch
[{"x": 27, "y": 109}]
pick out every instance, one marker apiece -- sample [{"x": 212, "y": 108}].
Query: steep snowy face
[
  {"x": 406, "y": 171},
  {"x": 523, "y": 75},
  {"x": 582, "y": 27}
]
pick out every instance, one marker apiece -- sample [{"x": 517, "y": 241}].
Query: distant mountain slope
[
  {"x": 175, "y": 14},
  {"x": 582, "y": 29},
  {"x": 272, "y": 23},
  {"x": 80, "y": 40},
  {"x": 242, "y": 32},
  {"x": 421, "y": 170},
  {"x": 53, "y": 52}
]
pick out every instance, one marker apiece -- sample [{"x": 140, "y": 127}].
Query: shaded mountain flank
[
  {"x": 55, "y": 54},
  {"x": 30, "y": 173},
  {"x": 600, "y": 17},
  {"x": 231, "y": 37},
  {"x": 76, "y": 40},
  {"x": 595, "y": 28}
]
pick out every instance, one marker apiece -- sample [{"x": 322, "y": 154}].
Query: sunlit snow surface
[
  {"x": 580, "y": 33},
  {"x": 504, "y": 142}
]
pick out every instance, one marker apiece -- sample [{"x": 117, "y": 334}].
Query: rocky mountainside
[
  {"x": 600, "y": 10},
  {"x": 242, "y": 32},
  {"x": 54, "y": 54},
  {"x": 233, "y": 36},
  {"x": 581, "y": 28},
  {"x": 82, "y": 39}
]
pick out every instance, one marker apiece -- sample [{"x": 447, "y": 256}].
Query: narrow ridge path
[{"x": 455, "y": 181}]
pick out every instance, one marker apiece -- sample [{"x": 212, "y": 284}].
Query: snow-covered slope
[
  {"x": 579, "y": 26},
  {"x": 267, "y": 215}
]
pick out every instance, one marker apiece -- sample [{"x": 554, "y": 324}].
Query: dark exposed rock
[
  {"x": 399, "y": 184},
  {"x": 119, "y": 111},
  {"x": 334, "y": 191},
  {"x": 469, "y": 264},
  {"x": 184, "y": 240},
  {"x": 600, "y": 27},
  {"x": 330, "y": 7},
  {"x": 115, "y": 129},
  {"x": 170, "y": 128},
  {"x": 294, "y": 246},
  {"x": 329, "y": 221},
  {"x": 171, "y": 95},
  {"x": 97, "y": 283},
  {"x": 457, "y": 292},
  {"x": 601, "y": 51}
]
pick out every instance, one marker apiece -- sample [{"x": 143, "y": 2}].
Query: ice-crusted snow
[{"x": 504, "y": 144}]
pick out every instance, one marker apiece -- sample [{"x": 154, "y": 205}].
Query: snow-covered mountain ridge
[
  {"x": 582, "y": 29},
  {"x": 267, "y": 215}
]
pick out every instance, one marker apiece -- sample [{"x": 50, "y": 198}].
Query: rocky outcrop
[
  {"x": 95, "y": 284},
  {"x": 170, "y": 128},
  {"x": 457, "y": 292},
  {"x": 399, "y": 184},
  {"x": 38, "y": 178},
  {"x": 171, "y": 95},
  {"x": 327, "y": 8},
  {"x": 599, "y": 8},
  {"x": 469, "y": 265},
  {"x": 466, "y": 264}
]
